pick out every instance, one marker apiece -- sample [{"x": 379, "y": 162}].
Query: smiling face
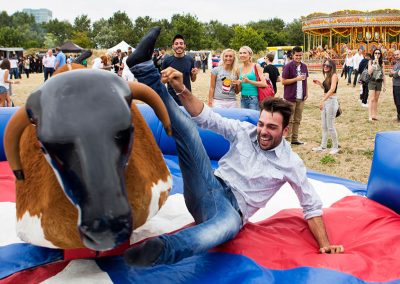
[
  {"x": 179, "y": 47},
  {"x": 397, "y": 55},
  {"x": 270, "y": 130},
  {"x": 297, "y": 56},
  {"x": 244, "y": 55},
  {"x": 228, "y": 58}
]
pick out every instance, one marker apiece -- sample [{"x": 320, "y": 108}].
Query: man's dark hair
[
  {"x": 297, "y": 49},
  {"x": 178, "y": 36},
  {"x": 368, "y": 55},
  {"x": 270, "y": 56},
  {"x": 58, "y": 48},
  {"x": 279, "y": 105}
]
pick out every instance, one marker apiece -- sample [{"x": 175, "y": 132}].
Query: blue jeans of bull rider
[{"x": 209, "y": 200}]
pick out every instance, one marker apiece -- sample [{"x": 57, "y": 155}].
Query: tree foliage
[{"x": 20, "y": 29}]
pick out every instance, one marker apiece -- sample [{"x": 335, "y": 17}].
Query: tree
[
  {"x": 247, "y": 36},
  {"x": 82, "y": 23},
  {"x": 217, "y": 35},
  {"x": 294, "y": 33},
  {"x": 49, "y": 40},
  {"x": 191, "y": 29},
  {"x": 11, "y": 37},
  {"x": 121, "y": 25},
  {"x": 82, "y": 39},
  {"x": 61, "y": 30},
  {"x": 106, "y": 37}
]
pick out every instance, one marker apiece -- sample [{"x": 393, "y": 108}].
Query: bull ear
[
  {"x": 148, "y": 95},
  {"x": 15, "y": 127}
]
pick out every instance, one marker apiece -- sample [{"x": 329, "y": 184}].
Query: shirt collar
[{"x": 278, "y": 150}]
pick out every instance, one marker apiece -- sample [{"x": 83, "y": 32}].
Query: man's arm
[
  {"x": 317, "y": 228},
  {"x": 175, "y": 78}
]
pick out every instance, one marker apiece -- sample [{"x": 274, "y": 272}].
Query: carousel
[{"x": 350, "y": 29}]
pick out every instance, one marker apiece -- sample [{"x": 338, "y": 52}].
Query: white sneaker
[
  {"x": 318, "y": 149},
  {"x": 334, "y": 151},
  {"x": 364, "y": 105}
]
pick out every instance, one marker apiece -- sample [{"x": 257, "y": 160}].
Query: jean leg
[
  {"x": 298, "y": 115},
  {"x": 349, "y": 72},
  {"x": 253, "y": 103},
  {"x": 194, "y": 162},
  {"x": 324, "y": 141},
  {"x": 244, "y": 102},
  {"x": 46, "y": 74},
  {"x": 217, "y": 219},
  {"x": 396, "y": 97},
  {"x": 355, "y": 77},
  {"x": 222, "y": 224},
  {"x": 331, "y": 109}
]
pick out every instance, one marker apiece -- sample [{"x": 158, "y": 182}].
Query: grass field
[{"x": 356, "y": 134}]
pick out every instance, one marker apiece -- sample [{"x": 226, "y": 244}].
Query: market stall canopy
[
  {"x": 122, "y": 45},
  {"x": 6, "y": 52},
  {"x": 69, "y": 46}
]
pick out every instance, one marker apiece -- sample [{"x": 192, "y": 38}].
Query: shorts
[
  {"x": 375, "y": 85},
  {"x": 3, "y": 90}
]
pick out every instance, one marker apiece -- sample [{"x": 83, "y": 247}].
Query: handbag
[
  {"x": 365, "y": 77},
  {"x": 339, "y": 111},
  {"x": 263, "y": 92}
]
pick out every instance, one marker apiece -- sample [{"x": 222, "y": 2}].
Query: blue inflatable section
[
  {"x": 384, "y": 178},
  {"x": 383, "y": 185}
]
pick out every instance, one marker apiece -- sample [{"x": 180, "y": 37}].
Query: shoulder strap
[{"x": 256, "y": 71}]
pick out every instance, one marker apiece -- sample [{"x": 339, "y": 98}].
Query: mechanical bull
[{"x": 83, "y": 154}]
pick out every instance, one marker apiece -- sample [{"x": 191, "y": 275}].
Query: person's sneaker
[
  {"x": 298, "y": 143},
  {"x": 334, "y": 151},
  {"x": 364, "y": 105},
  {"x": 145, "y": 48},
  {"x": 318, "y": 149}
]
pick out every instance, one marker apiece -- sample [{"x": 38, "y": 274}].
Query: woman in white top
[
  {"x": 223, "y": 84},
  {"x": 5, "y": 99},
  {"x": 349, "y": 65},
  {"x": 101, "y": 63}
]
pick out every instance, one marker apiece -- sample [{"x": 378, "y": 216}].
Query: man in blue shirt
[
  {"x": 182, "y": 63},
  {"x": 60, "y": 59},
  {"x": 221, "y": 202}
]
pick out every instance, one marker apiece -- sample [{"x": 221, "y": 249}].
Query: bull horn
[
  {"x": 15, "y": 127},
  {"x": 84, "y": 55},
  {"x": 148, "y": 95}
]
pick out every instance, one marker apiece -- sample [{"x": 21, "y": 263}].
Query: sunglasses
[
  {"x": 327, "y": 65},
  {"x": 377, "y": 53}
]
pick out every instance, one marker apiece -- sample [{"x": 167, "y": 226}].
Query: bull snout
[{"x": 106, "y": 233}]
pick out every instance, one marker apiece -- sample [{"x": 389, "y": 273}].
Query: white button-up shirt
[{"x": 255, "y": 175}]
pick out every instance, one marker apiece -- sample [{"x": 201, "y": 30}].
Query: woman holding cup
[
  {"x": 376, "y": 69},
  {"x": 224, "y": 84},
  {"x": 328, "y": 106}
]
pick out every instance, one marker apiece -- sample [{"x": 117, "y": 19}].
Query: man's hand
[
  {"x": 173, "y": 77},
  {"x": 331, "y": 249},
  {"x": 195, "y": 71}
]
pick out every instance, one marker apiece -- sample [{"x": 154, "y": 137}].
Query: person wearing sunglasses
[
  {"x": 376, "y": 69},
  {"x": 328, "y": 106},
  {"x": 395, "y": 74}
]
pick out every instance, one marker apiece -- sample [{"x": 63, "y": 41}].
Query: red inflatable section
[
  {"x": 7, "y": 183},
  {"x": 370, "y": 233}
]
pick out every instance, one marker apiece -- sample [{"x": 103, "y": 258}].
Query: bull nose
[{"x": 106, "y": 233}]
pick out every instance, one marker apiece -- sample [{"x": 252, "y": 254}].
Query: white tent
[{"x": 122, "y": 45}]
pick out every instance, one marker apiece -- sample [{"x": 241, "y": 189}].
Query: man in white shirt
[
  {"x": 221, "y": 202},
  {"x": 356, "y": 63},
  {"x": 48, "y": 63}
]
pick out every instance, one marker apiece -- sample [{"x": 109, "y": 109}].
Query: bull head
[{"x": 83, "y": 122}]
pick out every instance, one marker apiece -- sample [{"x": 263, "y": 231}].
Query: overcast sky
[{"x": 225, "y": 11}]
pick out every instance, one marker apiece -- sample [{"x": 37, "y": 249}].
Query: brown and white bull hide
[{"x": 46, "y": 217}]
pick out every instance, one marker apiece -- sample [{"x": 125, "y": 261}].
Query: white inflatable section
[
  {"x": 174, "y": 214},
  {"x": 78, "y": 271}
]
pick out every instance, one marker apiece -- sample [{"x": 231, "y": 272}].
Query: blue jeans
[
  {"x": 250, "y": 102},
  {"x": 349, "y": 72},
  {"x": 209, "y": 200}
]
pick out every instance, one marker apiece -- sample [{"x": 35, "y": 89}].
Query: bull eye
[
  {"x": 60, "y": 153},
  {"x": 123, "y": 137}
]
